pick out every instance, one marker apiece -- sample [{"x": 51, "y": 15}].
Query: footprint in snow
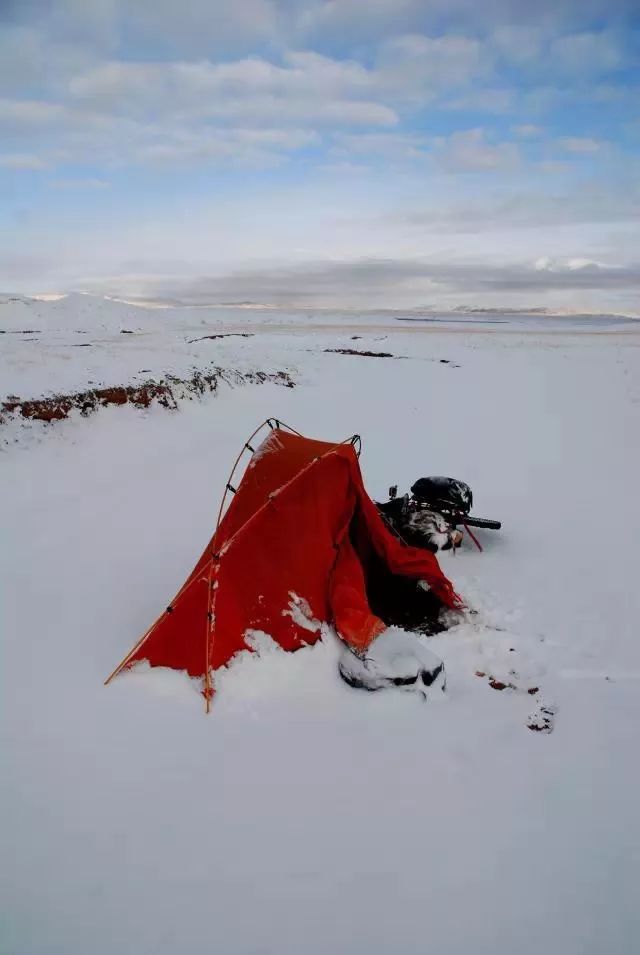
[
  {"x": 512, "y": 662},
  {"x": 542, "y": 718}
]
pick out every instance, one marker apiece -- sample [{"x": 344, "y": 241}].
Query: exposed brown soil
[
  {"x": 365, "y": 354},
  {"x": 190, "y": 341},
  {"x": 499, "y": 685},
  {"x": 496, "y": 684},
  {"x": 543, "y": 719},
  {"x": 166, "y": 393}
]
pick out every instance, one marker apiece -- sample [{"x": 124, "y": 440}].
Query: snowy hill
[{"x": 72, "y": 312}]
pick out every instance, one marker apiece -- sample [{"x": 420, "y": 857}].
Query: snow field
[{"x": 302, "y": 815}]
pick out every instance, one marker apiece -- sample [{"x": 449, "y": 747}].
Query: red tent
[{"x": 290, "y": 552}]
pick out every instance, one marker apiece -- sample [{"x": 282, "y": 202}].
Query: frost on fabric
[
  {"x": 301, "y": 613},
  {"x": 270, "y": 445}
]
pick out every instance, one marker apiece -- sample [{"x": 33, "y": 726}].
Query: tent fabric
[{"x": 289, "y": 554}]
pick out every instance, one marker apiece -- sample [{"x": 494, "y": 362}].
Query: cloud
[
  {"x": 587, "y": 53},
  {"x": 23, "y": 267},
  {"x": 368, "y": 280},
  {"x": 204, "y": 27},
  {"x": 519, "y": 44},
  {"x": 484, "y": 100},
  {"x": 78, "y": 134},
  {"x": 527, "y": 131},
  {"x": 192, "y": 27},
  {"x": 260, "y": 148},
  {"x": 554, "y": 167},
  {"x": 343, "y": 21},
  {"x": 21, "y": 58},
  {"x": 309, "y": 88},
  {"x": 362, "y": 111},
  {"x": 87, "y": 183},
  {"x": 580, "y": 144},
  {"x": 469, "y": 151},
  {"x": 390, "y": 146},
  {"x": 418, "y": 66},
  {"x": 25, "y": 112},
  {"x": 530, "y": 209},
  {"x": 74, "y": 85},
  {"x": 582, "y": 94},
  {"x": 21, "y": 161},
  {"x": 542, "y": 47}
]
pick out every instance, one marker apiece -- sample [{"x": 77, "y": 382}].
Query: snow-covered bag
[{"x": 395, "y": 658}]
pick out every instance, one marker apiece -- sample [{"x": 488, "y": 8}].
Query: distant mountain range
[{"x": 66, "y": 299}]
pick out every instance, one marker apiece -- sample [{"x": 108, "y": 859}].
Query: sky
[{"x": 323, "y": 153}]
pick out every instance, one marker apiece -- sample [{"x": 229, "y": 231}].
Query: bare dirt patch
[
  {"x": 166, "y": 393},
  {"x": 364, "y": 354},
  {"x": 190, "y": 341}
]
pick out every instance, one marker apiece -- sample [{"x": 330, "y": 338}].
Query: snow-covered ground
[
  {"x": 81, "y": 341},
  {"x": 301, "y": 815}
]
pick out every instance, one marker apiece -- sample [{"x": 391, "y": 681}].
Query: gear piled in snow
[
  {"x": 431, "y": 515},
  {"x": 395, "y": 658},
  {"x": 299, "y": 522}
]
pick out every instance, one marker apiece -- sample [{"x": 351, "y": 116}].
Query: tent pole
[
  {"x": 235, "y": 465},
  {"x": 208, "y": 636}
]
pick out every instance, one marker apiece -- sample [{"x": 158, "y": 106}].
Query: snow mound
[{"x": 395, "y": 659}]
